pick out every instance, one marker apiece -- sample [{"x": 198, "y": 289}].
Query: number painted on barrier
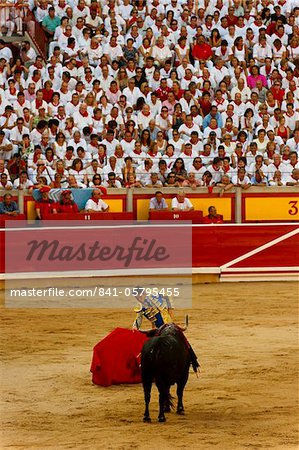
[
  {"x": 293, "y": 208},
  {"x": 176, "y": 216}
]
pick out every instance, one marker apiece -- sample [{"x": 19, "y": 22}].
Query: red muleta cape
[{"x": 116, "y": 358}]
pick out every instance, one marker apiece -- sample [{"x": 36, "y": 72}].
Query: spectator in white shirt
[
  {"x": 132, "y": 93},
  {"x": 82, "y": 118},
  {"x": 95, "y": 203},
  {"x": 241, "y": 179},
  {"x": 144, "y": 117},
  {"x": 261, "y": 51},
  {"x": 181, "y": 202},
  {"x": 161, "y": 52}
]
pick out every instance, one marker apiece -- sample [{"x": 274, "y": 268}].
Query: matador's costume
[{"x": 156, "y": 308}]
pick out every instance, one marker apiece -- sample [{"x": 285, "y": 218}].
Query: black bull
[{"x": 165, "y": 359}]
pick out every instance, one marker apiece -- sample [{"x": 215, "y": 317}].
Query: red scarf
[
  {"x": 270, "y": 154},
  {"x": 35, "y": 157},
  {"x": 101, "y": 159},
  {"x": 268, "y": 70}
]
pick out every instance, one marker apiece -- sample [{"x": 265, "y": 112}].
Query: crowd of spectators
[{"x": 134, "y": 93}]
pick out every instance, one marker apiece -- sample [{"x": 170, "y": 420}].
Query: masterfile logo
[
  {"x": 139, "y": 249},
  {"x": 69, "y": 246}
]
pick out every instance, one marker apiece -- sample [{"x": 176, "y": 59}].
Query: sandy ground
[{"x": 247, "y": 396}]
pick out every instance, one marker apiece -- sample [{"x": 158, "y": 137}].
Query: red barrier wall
[
  {"x": 234, "y": 248},
  {"x": 218, "y": 245}
]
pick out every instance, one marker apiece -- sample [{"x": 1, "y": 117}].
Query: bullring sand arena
[{"x": 245, "y": 334}]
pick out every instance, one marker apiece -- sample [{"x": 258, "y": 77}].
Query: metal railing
[
  {"x": 39, "y": 38},
  {"x": 15, "y": 19},
  {"x": 12, "y": 18}
]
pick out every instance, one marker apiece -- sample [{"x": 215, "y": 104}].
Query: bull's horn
[{"x": 186, "y": 323}]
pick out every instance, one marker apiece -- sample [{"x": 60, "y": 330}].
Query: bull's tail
[{"x": 170, "y": 400}]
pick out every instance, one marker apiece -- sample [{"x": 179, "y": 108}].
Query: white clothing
[
  {"x": 175, "y": 204},
  {"x": 93, "y": 206}
]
